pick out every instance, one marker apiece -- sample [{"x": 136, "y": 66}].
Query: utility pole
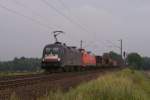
[
  {"x": 121, "y": 47},
  {"x": 81, "y": 44}
]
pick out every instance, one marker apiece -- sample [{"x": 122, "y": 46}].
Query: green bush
[{"x": 123, "y": 85}]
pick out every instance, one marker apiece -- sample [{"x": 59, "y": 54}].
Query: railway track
[
  {"x": 23, "y": 80},
  {"x": 31, "y": 86},
  {"x": 19, "y": 81},
  {"x": 30, "y": 79}
]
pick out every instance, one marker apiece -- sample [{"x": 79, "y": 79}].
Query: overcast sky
[{"x": 26, "y": 28}]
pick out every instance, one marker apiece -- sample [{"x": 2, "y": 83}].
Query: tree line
[
  {"x": 134, "y": 60},
  {"x": 21, "y": 64}
]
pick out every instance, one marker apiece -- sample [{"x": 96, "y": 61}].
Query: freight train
[{"x": 60, "y": 56}]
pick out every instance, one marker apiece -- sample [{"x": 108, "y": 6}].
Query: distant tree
[
  {"x": 115, "y": 55},
  {"x": 146, "y": 63},
  {"x": 22, "y": 58},
  {"x": 134, "y": 60},
  {"x": 21, "y": 64},
  {"x": 16, "y": 59}
]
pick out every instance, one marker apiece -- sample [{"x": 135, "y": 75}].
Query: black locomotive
[{"x": 59, "y": 55}]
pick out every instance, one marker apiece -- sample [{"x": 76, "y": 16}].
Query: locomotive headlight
[
  {"x": 43, "y": 59},
  {"x": 58, "y": 59}
]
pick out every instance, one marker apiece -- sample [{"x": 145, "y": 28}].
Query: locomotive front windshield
[{"x": 53, "y": 51}]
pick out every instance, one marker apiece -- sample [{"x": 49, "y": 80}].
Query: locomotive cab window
[{"x": 54, "y": 51}]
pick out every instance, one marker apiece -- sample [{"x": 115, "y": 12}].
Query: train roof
[
  {"x": 56, "y": 43},
  {"x": 59, "y": 44}
]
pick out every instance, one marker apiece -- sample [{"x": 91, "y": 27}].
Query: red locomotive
[{"x": 88, "y": 59}]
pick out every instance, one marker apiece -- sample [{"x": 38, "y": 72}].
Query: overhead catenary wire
[
  {"x": 64, "y": 15},
  {"x": 25, "y": 16},
  {"x": 27, "y": 7},
  {"x": 73, "y": 16},
  {"x": 90, "y": 44},
  {"x": 63, "y": 4},
  {"x": 24, "y": 6},
  {"x": 35, "y": 20},
  {"x": 17, "y": 2},
  {"x": 112, "y": 44}
]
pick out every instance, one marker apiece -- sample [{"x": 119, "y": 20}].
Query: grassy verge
[
  {"x": 123, "y": 85},
  {"x": 3, "y": 74}
]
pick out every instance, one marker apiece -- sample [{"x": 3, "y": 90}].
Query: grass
[
  {"x": 123, "y": 85},
  {"x": 3, "y": 74}
]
